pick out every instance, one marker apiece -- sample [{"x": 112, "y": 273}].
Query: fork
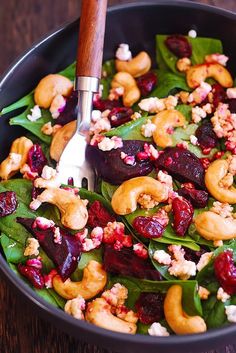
[{"x": 73, "y": 164}]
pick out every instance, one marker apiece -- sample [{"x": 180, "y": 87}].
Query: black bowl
[{"x": 137, "y": 25}]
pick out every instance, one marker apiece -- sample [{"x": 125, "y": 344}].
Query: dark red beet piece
[
  {"x": 36, "y": 159},
  {"x": 146, "y": 83},
  {"x": 119, "y": 116},
  {"x": 192, "y": 255},
  {"x": 198, "y": 198},
  {"x": 33, "y": 275},
  {"x": 183, "y": 215},
  {"x": 149, "y": 307},
  {"x": 148, "y": 227},
  {"x": 111, "y": 167},
  {"x": 98, "y": 216},
  {"x": 232, "y": 105},
  {"x": 104, "y": 104},
  {"x": 124, "y": 262},
  {"x": 69, "y": 113},
  {"x": 179, "y": 45},
  {"x": 64, "y": 255},
  {"x": 8, "y": 203},
  {"x": 225, "y": 271},
  {"x": 219, "y": 94},
  {"x": 183, "y": 165},
  {"x": 206, "y": 136}
]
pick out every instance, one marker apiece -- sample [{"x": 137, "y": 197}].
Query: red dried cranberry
[
  {"x": 33, "y": 274},
  {"x": 149, "y": 307},
  {"x": 98, "y": 216},
  {"x": 36, "y": 159},
  {"x": 70, "y": 110},
  {"x": 36, "y": 192},
  {"x": 179, "y": 45},
  {"x": 104, "y": 104},
  {"x": 198, "y": 198},
  {"x": 146, "y": 83},
  {"x": 8, "y": 203},
  {"x": 124, "y": 262},
  {"x": 206, "y": 136},
  {"x": 219, "y": 94},
  {"x": 225, "y": 271},
  {"x": 148, "y": 227},
  {"x": 232, "y": 105},
  {"x": 119, "y": 116},
  {"x": 183, "y": 215}
]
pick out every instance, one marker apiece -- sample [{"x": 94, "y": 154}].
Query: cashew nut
[
  {"x": 49, "y": 87},
  {"x": 177, "y": 319},
  {"x": 212, "y": 226},
  {"x": 125, "y": 198},
  {"x": 131, "y": 91},
  {"x": 165, "y": 120},
  {"x": 137, "y": 66},
  {"x": 216, "y": 171},
  {"x": 99, "y": 313},
  {"x": 93, "y": 281},
  {"x": 199, "y": 73},
  {"x": 74, "y": 214},
  {"x": 17, "y": 157},
  {"x": 60, "y": 140}
]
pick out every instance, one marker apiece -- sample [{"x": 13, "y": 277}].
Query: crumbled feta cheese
[
  {"x": 193, "y": 140},
  {"x": 222, "y": 295},
  {"x": 106, "y": 144},
  {"x": 170, "y": 102},
  {"x": 162, "y": 257},
  {"x": 222, "y": 209},
  {"x": 140, "y": 250},
  {"x": 183, "y": 269},
  {"x": 203, "y": 293},
  {"x": 151, "y": 151},
  {"x": 198, "y": 114},
  {"x": 43, "y": 223},
  {"x": 57, "y": 235},
  {"x": 146, "y": 201},
  {"x": 148, "y": 129},
  {"x": 183, "y": 64},
  {"x": 166, "y": 179},
  {"x": 123, "y": 53},
  {"x": 115, "y": 296},
  {"x": 35, "y": 204},
  {"x": 232, "y": 164},
  {"x": 48, "y": 172},
  {"x": 178, "y": 251},
  {"x": 162, "y": 215},
  {"x": 96, "y": 115},
  {"x": 123, "y": 155},
  {"x": 217, "y": 58},
  {"x": 129, "y": 160},
  {"x": 200, "y": 93},
  {"x": 75, "y": 307},
  {"x": 35, "y": 113},
  {"x": 192, "y": 33},
  {"x": 231, "y": 93},
  {"x": 135, "y": 116},
  {"x": 207, "y": 108},
  {"x": 57, "y": 105},
  {"x": 32, "y": 247},
  {"x": 101, "y": 125},
  {"x": 204, "y": 260},
  {"x": 156, "y": 329},
  {"x": 230, "y": 311},
  {"x": 223, "y": 121}
]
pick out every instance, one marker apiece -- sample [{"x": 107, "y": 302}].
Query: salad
[{"x": 152, "y": 249}]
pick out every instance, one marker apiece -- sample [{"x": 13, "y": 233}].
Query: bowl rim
[{"x": 60, "y": 315}]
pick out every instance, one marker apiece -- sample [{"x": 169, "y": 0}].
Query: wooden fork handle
[{"x": 91, "y": 38}]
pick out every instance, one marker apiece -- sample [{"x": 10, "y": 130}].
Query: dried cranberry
[
  {"x": 119, "y": 116},
  {"x": 179, "y": 45},
  {"x": 198, "y": 198},
  {"x": 70, "y": 111},
  {"x": 65, "y": 254},
  {"x": 8, "y": 203},
  {"x": 225, "y": 271},
  {"x": 104, "y": 104},
  {"x": 219, "y": 94},
  {"x": 36, "y": 192},
  {"x": 33, "y": 274},
  {"x": 36, "y": 159},
  {"x": 146, "y": 83},
  {"x": 124, "y": 262},
  {"x": 206, "y": 136},
  {"x": 232, "y": 105},
  {"x": 183, "y": 215},
  {"x": 149, "y": 307},
  {"x": 148, "y": 227},
  {"x": 98, "y": 216},
  {"x": 183, "y": 165}
]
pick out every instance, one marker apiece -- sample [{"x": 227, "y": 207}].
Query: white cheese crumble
[
  {"x": 32, "y": 247},
  {"x": 231, "y": 93},
  {"x": 96, "y": 115},
  {"x": 230, "y": 311},
  {"x": 123, "y": 53},
  {"x": 193, "y": 140},
  {"x": 48, "y": 172},
  {"x": 75, "y": 307},
  {"x": 223, "y": 209},
  {"x": 57, "y": 105},
  {"x": 204, "y": 260},
  {"x": 35, "y": 113},
  {"x": 156, "y": 329},
  {"x": 162, "y": 257},
  {"x": 148, "y": 129},
  {"x": 108, "y": 144},
  {"x": 192, "y": 33},
  {"x": 222, "y": 295},
  {"x": 183, "y": 269}
]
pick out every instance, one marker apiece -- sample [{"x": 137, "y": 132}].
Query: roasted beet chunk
[
  {"x": 146, "y": 83},
  {"x": 183, "y": 215},
  {"x": 179, "y": 45},
  {"x": 69, "y": 113},
  {"x": 232, "y": 105},
  {"x": 198, "y": 198},
  {"x": 225, "y": 271},
  {"x": 33, "y": 275},
  {"x": 183, "y": 165},
  {"x": 124, "y": 262},
  {"x": 98, "y": 216},
  {"x": 206, "y": 136},
  {"x": 111, "y": 167},
  {"x": 36, "y": 159},
  {"x": 104, "y": 104},
  {"x": 219, "y": 94},
  {"x": 148, "y": 227},
  {"x": 119, "y": 116},
  {"x": 192, "y": 255},
  {"x": 8, "y": 203},
  {"x": 65, "y": 254},
  {"x": 149, "y": 307}
]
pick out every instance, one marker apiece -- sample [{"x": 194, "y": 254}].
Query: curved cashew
[
  {"x": 167, "y": 119},
  {"x": 212, "y": 226},
  {"x": 74, "y": 214},
  {"x": 199, "y": 73},
  {"x": 137, "y": 66},
  {"x": 131, "y": 91},
  {"x": 49, "y": 87},
  {"x": 99, "y": 313},
  {"x": 17, "y": 157},
  {"x": 60, "y": 140},
  {"x": 216, "y": 171},
  {"x": 178, "y": 320},
  {"x": 93, "y": 281},
  {"x": 125, "y": 198}
]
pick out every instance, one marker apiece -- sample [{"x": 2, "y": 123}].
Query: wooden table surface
[{"x": 22, "y": 23}]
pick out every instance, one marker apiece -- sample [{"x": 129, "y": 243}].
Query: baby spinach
[
  {"x": 168, "y": 83},
  {"x": 163, "y": 269},
  {"x": 108, "y": 71}
]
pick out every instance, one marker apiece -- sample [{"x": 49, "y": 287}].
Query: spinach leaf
[
  {"x": 23, "y": 102},
  {"x": 108, "y": 71},
  {"x": 163, "y": 269},
  {"x": 168, "y": 83},
  {"x": 95, "y": 255}
]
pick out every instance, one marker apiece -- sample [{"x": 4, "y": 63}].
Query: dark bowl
[{"x": 137, "y": 25}]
